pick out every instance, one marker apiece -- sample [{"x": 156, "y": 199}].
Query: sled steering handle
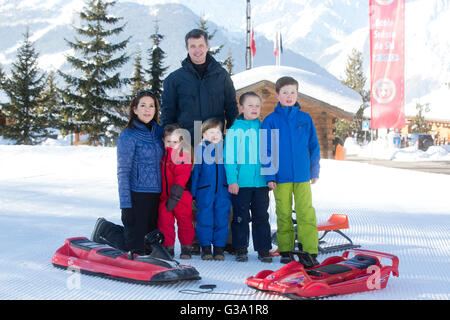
[{"x": 394, "y": 259}]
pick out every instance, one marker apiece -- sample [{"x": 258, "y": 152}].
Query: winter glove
[
  {"x": 127, "y": 216},
  {"x": 176, "y": 191}
]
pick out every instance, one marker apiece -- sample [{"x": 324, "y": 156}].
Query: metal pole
[{"x": 248, "y": 54}]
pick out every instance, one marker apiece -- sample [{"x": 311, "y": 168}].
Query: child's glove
[{"x": 176, "y": 191}]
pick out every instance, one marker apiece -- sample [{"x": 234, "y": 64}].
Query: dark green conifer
[
  {"x": 27, "y": 124},
  {"x": 92, "y": 93}
]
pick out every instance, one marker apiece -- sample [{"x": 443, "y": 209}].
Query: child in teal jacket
[
  {"x": 248, "y": 188},
  {"x": 298, "y": 167}
]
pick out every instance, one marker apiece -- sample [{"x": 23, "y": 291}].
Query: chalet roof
[{"x": 328, "y": 90}]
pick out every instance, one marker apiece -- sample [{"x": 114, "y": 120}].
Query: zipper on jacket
[
  {"x": 165, "y": 172},
  {"x": 217, "y": 177}
]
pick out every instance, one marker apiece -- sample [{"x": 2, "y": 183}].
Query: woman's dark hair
[{"x": 134, "y": 103}]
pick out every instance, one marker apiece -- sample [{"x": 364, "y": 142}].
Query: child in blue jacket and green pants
[
  {"x": 248, "y": 188},
  {"x": 298, "y": 168}
]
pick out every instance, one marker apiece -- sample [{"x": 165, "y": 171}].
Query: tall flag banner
[
  {"x": 387, "y": 63},
  {"x": 253, "y": 44}
]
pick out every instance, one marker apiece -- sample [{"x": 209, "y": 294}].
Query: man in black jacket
[{"x": 199, "y": 90}]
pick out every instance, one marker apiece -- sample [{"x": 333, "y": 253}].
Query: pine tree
[
  {"x": 27, "y": 125},
  {"x": 2, "y": 77},
  {"x": 90, "y": 94},
  {"x": 356, "y": 80},
  {"x": 2, "y": 116},
  {"x": 51, "y": 104},
  {"x": 228, "y": 63},
  {"x": 419, "y": 124},
  {"x": 202, "y": 26},
  {"x": 156, "y": 58},
  {"x": 354, "y": 74},
  {"x": 138, "y": 81}
]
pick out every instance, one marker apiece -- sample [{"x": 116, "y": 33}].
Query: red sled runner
[
  {"x": 334, "y": 276},
  {"x": 102, "y": 260}
]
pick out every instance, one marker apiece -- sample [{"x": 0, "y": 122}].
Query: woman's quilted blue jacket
[{"x": 139, "y": 153}]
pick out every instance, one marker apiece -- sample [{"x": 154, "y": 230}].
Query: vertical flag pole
[
  {"x": 248, "y": 55},
  {"x": 277, "y": 48}
]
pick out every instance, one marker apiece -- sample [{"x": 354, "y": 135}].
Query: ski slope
[{"x": 50, "y": 193}]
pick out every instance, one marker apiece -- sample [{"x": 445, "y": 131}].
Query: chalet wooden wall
[{"x": 322, "y": 114}]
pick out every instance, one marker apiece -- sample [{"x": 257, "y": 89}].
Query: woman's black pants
[{"x": 143, "y": 219}]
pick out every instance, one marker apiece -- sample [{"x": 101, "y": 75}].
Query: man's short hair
[
  {"x": 285, "y": 81},
  {"x": 196, "y": 34}
]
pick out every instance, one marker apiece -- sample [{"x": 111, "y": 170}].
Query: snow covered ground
[
  {"x": 384, "y": 149},
  {"x": 49, "y": 193}
]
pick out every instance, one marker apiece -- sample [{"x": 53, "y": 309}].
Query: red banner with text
[{"x": 387, "y": 63}]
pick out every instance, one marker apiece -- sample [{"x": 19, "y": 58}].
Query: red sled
[
  {"x": 356, "y": 270},
  {"x": 88, "y": 257}
]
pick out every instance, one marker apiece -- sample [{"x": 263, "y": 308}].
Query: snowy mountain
[
  {"x": 326, "y": 31},
  {"x": 317, "y": 35},
  {"x": 50, "y": 22}
]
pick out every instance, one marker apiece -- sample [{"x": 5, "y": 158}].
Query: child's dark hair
[
  {"x": 211, "y": 123},
  {"x": 134, "y": 103},
  {"x": 169, "y": 129},
  {"x": 245, "y": 95},
  {"x": 285, "y": 81}
]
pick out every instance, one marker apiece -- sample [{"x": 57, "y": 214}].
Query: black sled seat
[{"x": 356, "y": 270}]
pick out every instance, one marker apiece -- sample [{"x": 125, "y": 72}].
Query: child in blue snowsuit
[{"x": 210, "y": 191}]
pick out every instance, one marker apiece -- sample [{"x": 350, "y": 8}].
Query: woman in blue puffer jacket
[{"x": 139, "y": 153}]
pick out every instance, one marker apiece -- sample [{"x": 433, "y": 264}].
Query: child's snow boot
[
  {"x": 206, "y": 253},
  {"x": 285, "y": 257},
  {"x": 264, "y": 256},
  {"x": 185, "y": 252},
  {"x": 308, "y": 260},
  {"x": 219, "y": 253},
  {"x": 241, "y": 254}
]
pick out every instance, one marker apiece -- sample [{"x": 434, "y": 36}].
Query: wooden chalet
[{"x": 323, "y": 98}]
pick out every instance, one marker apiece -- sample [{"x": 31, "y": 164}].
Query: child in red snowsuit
[{"x": 175, "y": 200}]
